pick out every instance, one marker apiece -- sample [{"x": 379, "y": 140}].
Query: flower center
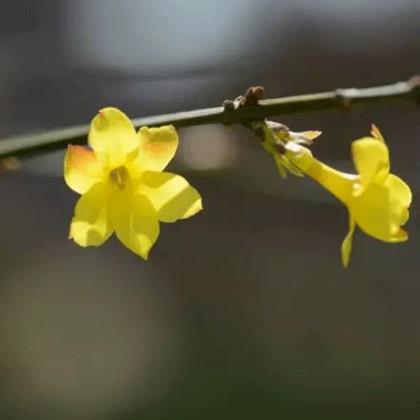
[{"x": 119, "y": 176}]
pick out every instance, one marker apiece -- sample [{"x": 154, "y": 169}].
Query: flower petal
[
  {"x": 374, "y": 213},
  {"x": 81, "y": 169},
  {"x": 157, "y": 147},
  {"x": 171, "y": 195},
  {"x": 382, "y": 209},
  {"x": 135, "y": 222},
  {"x": 112, "y": 136},
  {"x": 400, "y": 236},
  {"x": 90, "y": 225},
  {"x": 400, "y": 191},
  {"x": 371, "y": 159},
  {"x": 400, "y": 200},
  {"x": 346, "y": 246}
]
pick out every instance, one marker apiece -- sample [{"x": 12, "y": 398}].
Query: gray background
[{"x": 244, "y": 311}]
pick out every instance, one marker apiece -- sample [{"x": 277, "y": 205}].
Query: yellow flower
[
  {"x": 377, "y": 200},
  {"x": 122, "y": 184}
]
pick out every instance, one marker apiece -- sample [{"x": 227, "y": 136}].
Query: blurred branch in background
[{"x": 339, "y": 98}]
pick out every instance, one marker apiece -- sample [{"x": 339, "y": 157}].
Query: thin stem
[{"x": 340, "y": 98}]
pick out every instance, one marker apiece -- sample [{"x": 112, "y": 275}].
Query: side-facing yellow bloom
[
  {"x": 122, "y": 184},
  {"x": 377, "y": 200}
]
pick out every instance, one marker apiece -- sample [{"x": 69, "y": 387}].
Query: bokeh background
[{"x": 244, "y": 311}]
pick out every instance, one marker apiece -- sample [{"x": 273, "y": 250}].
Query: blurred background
[{"x": 244, "y": 311}]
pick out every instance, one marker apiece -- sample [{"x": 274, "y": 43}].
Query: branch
[{"x": 340, "y": 98}]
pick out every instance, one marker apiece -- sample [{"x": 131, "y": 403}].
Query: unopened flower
[
  {"x": 122, "y": 184},
  {"x": 377, "y": 200},
  {"x": 274, "y": 137}
]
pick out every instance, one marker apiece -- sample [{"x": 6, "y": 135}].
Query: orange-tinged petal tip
[
  {"x": 375, "y": 132},
  {"x": 81, "y": 168},
  {"x": 157, "y": 147},
  {"x": 79, "y": 153}
]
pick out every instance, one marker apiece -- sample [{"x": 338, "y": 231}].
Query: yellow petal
[
  {"x": 112, "y": 136},
  {"x": 81, "y": 169},
  {"x": 382, "y": 209},
  {"x": 346, "y": 246},
  {"x": 400, "y": 191},
  {"x": 372, "y": 211},
  {"x": 371, "y": 159},
  {"x": 171, "y": 195},
  {"x": 400, "y": 236},
  {"x": 400, "y": 200},
  {"x": 91, "y": 225},
  {"x": 135, "y": 222},
  {"x": 157, "y": 147}
]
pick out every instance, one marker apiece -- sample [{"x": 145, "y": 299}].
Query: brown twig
[{"x": 255, "y": 109}]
